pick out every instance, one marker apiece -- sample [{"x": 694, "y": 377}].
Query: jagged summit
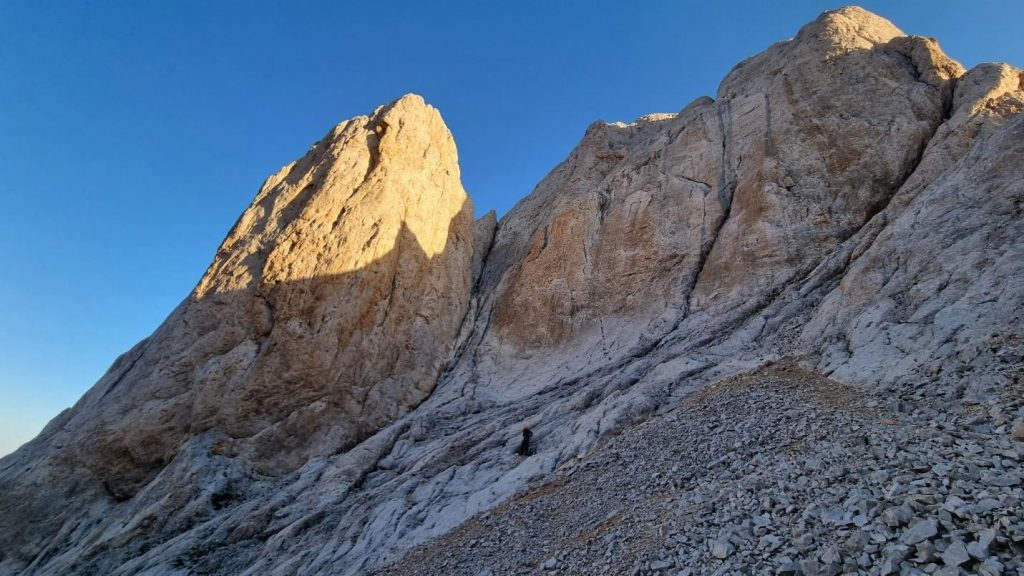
[
  {"x": 352, "y": 159},
  {"x": 325, "y": 315},
  {"x": 852, "y": 22},
  {"x": 349, "y": 378}
]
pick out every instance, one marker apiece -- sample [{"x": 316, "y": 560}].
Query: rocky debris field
[{"x": 780, "y": 471}]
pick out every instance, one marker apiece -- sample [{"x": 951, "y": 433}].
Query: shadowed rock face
[{"x": 348, "y": 378}]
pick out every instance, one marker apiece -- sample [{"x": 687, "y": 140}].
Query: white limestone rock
[{"x": 333, "y": 393}]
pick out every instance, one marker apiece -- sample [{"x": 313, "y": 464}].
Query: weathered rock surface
[
  {"x": 713, "y": 208},
  {"x": 328, "y": 311},
  {"x": 483, "y": 238},
  {"x": 853, "y": 199},
  {"x": 764, "y": 473}
]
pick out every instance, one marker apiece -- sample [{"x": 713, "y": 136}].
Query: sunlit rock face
[
  {"x": 349, "y": 377},
  {"x": 818, "y": 144},
  {"x": 335, "y": 299},
  {"x": 328, "y": 311},
  {"x": 714, "y": 207}
]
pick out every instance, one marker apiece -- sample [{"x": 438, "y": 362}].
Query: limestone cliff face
[
  {"x": 938, "y": 290},
  {"x": 817, "y": 145},
  {"x": 714, "y": 207},
  {"x": 328, "y": 311},
  {"x": 348, "y": 378}
]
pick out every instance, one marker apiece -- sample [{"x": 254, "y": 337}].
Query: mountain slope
[
  {"x": 335, "y": 393},
  {"x": 775, "y": 471}
]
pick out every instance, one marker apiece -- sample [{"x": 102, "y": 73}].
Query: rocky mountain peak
[
  {"x": 836, "y": 240},
  {"x": 851, "y": 26},
  {"x": 327, "y": 312}
]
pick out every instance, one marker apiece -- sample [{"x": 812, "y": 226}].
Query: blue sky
[{"x": 133, "y": 134}]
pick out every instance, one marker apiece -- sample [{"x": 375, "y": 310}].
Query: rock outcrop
[
  {"x": 328, "y": 311},
  {"x": 347, "y": 380},
  {"x": 716, "y": 206}
]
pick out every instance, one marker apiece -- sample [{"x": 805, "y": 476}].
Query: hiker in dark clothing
[{"x": 524, "y": 447}]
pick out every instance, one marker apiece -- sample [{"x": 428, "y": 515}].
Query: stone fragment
[
  {"x": 897, "y": 516},
  {"x": 978, "y": 549},
  {"x": 810, "y": 567},
  {"x": 891, "y": 562},
  {"x": 919, "y": 531},
  {"x": 660, "y": 565},
  {"x": 722, "y": 549},
  {"x": 1018, "y": 431},
  {"x": 955, "y": 554},
  {"x": 991, "y": 567}
]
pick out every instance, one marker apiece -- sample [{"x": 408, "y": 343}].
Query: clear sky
[{"x": 133, "y": 134}]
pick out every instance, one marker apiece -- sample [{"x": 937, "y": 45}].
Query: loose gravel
[{"x": 777, "y": 472}]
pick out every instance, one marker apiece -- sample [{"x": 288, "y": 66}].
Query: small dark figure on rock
[{"x": 524, "y": 446}]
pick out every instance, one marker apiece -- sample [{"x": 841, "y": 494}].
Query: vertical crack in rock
[{"x": 726, "y": 189}]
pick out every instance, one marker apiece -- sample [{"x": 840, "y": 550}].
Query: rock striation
[{"x": 347, "y": 380}]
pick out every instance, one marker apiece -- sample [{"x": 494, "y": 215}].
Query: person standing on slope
[{"x": 524, "y": 446}]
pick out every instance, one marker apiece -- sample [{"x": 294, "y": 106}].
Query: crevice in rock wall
[
  {"x": 769, "y": 140},
  {"x": 142, "y": 347},
  {"x": 388, "y": 439},
  {"x": 705, "y": 185},
  {"x": 269, "y": 317},
  {"x": 485, "y": 259},
  {"x": 468, "y": 326},
  {"x": 117, "y": 495},
  {"x": 726, "y": 189},
  {"x": 947, "y": 104},
  {"x": 603, "y": 201}
]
